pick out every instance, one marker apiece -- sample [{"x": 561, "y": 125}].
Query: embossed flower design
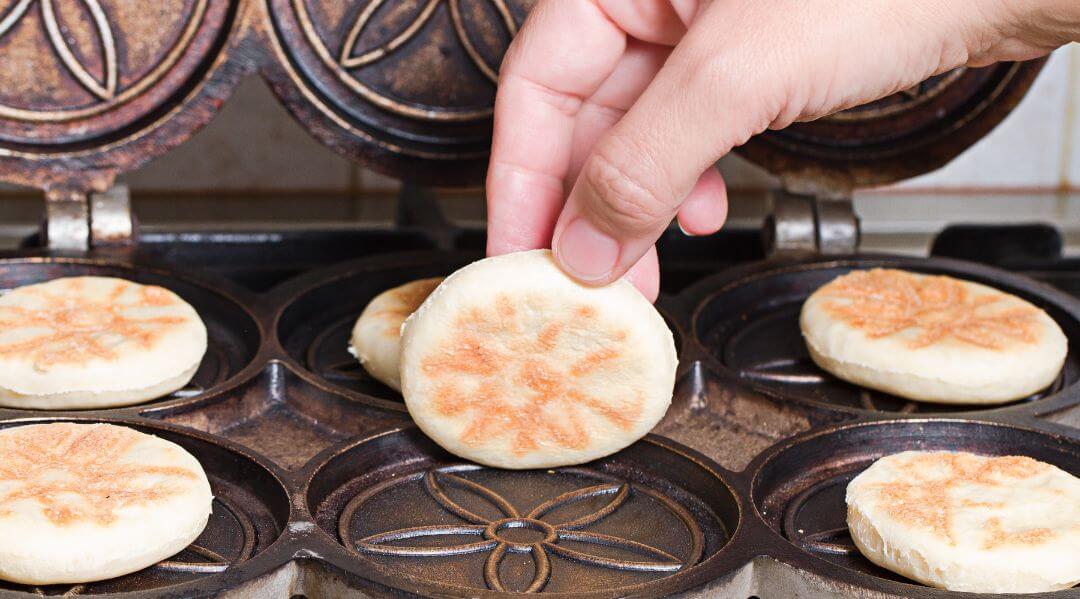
[
  {"x": 534, "y": 532},
  {"x": 88, "y": 44},
  {"x": 351, "y": 57},
  {"x": 105, "y": 86}
]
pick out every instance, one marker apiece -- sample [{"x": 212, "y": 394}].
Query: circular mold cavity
[
  {"x": 750, "y": 327},
  {"x": 233, "y": 337},
  {"x": 250, "y": 510},
  {"x": 800, "y": 488},
  {"x": 316, "y": 323},
  {"x": 648, "y": 521}
]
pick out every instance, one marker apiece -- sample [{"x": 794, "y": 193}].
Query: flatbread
[
  {"x": 964, "y": 522},
  {"x": 510, "y": 363},
  {"x": 932, "y": 338},
  {"x": 94, "y": 342},
  {"x": 85, "y": 502},
  {"x": 376, "y": 337}
]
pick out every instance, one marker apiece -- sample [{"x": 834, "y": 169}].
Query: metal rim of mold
[
  {"x": 233, "y": 317},
  {"x": 304, "y": 540},
  {"x": 260, "y": 525},
  {"x": 793, "y": 280},
  {"x": 784, "y": 479},
  {"x": 436, "y": 472}
]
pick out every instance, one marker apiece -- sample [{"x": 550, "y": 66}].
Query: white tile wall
[
  {"x": 1028, "y": 149},
  {"x": 1072, "y": 149},
  {"x": 917, "y": 212}
]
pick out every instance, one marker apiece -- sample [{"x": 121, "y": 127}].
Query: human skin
[{"x": 610, "y": 114}]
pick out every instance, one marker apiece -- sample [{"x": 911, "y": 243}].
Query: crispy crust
[
  {"x": 960, "y": 521},
  {"x": 376, "y": 336},
  {"x": 536, "y": 370},
  {"x": 83, "y": 502},
  {"x": 931, "y": 338},
  {"x": 95, "y": 335}
]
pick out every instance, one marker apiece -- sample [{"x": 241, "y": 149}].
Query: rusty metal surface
[
  {"x": 250, "y": 510},
  {"x": 66, "y": 220},
  {"x": 798, "y": 487},
  {"x": 406, "y": 87},
  {"x": 92, "y": 88},
  {"x": 325, "y": 489},
  {"x": 760, "y": 344},
  {"x": 112, "y": 222},
  {"x": 462, "y": 528}
]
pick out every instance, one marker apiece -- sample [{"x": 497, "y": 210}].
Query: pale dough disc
[
  {"x": 93, "y": 342},
  {"x": 964, "y": 522},
  {"x": 512, "y": 364},
  {"x": 376, "y": 337},
  {"x": 86, "y": 502},
  {"x": 931, "y": 338}
]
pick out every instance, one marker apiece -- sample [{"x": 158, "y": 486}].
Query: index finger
[{"x": 562, "y": 54}]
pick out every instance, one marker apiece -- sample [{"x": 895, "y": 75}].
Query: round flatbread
[
  {"x": 510, "y": 363},
  {"x": 94, "y": 342},
  {"x": 85, "y": 502},
  {"x": 931, "y": 338},
  {"x": 964, "y": 522},
  {"x": 376, "y": 337}
]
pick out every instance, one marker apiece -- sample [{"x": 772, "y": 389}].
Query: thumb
[
  {"x": 609, "y": 235},
  {"x": 637, "y": 175}
]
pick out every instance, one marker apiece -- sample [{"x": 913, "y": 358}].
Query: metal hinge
[
  {"x": 77, "y": 220},
  {"x": 802, "y": 224}
]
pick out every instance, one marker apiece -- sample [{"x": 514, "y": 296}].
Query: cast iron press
[
  {"x": 323, "y": 488},
  {"x": 385, "y": 511}
]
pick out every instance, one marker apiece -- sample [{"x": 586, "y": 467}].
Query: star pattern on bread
[
  {"x": 924, "y": 498},
  {"x": 71, "y": 330},
  {"x": 884, "y": 302},
  {"x": 78, "y": 472},
  {"x": 520, "y": 390}
]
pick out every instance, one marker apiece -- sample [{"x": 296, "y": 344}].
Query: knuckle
[
  {"x": 629, "y": 196},
  {"x": 738, "y": 86}
]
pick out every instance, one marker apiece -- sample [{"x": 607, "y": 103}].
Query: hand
[{"x": 621, "y": 107}]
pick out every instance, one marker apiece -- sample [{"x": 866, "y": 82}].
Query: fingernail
[
  {"x": 684, "y": 231},
  {"x": 586, "y": 253}
]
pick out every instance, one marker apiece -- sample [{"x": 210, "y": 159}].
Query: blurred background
[{"x": 254, "y": 166}]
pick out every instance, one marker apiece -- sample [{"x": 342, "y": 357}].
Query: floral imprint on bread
[
  {"x": 53, "y": 464},
  {"x": 884, "y": 302},
  {"x": 531, "y": 387},
  {"x": 540, "y": 532},
  {"x": 923, "y": 498},
  {"x": 74, "y": 330}
]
